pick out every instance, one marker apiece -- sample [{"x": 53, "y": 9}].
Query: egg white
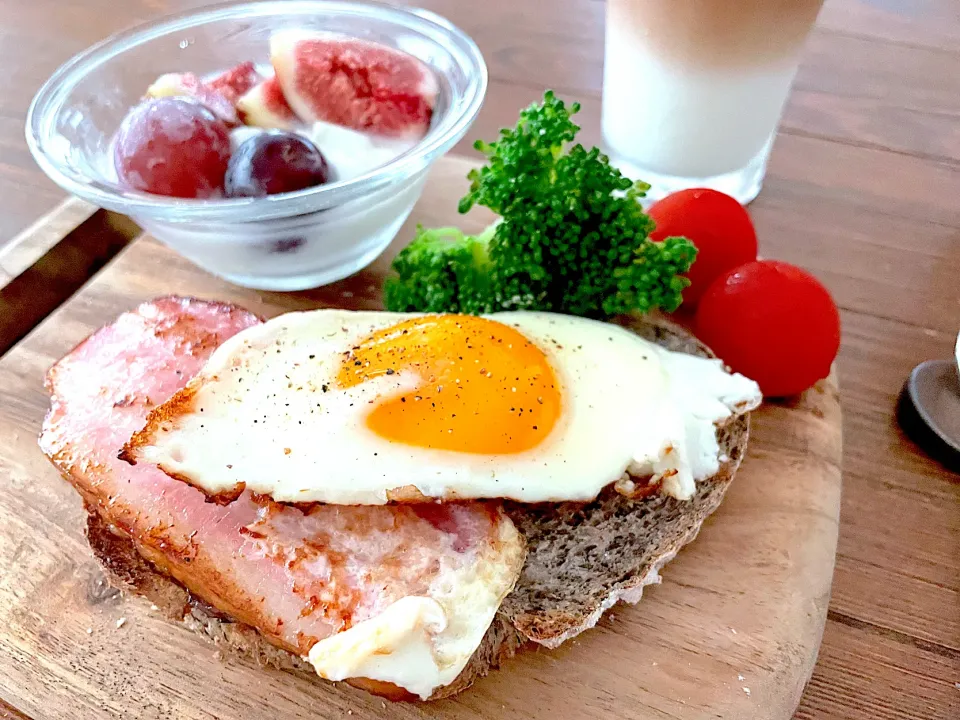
[{"x": 267, "y": 412}]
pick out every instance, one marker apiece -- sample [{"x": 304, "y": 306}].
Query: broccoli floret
[
  {"x": 441, "y": 270},
  {"x": 572, "y": 236}
]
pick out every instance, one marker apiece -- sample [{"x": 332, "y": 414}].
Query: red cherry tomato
[
  {"x": 773, "y": 322},
  {"x": 716, "y": 223}
]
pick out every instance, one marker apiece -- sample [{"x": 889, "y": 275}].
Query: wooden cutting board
[{"x": 732, "y": 632}]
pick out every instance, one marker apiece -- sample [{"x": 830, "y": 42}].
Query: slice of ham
[{"x": 296, "y": 576}]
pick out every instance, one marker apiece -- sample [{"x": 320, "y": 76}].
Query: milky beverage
[{"x": 694, "y": 89}]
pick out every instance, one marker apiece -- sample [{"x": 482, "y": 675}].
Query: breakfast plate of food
[
  {"x": 734, "y": 625},
  {"x": 464, "y": 481}
]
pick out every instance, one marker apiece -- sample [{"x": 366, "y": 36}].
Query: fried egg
[{"x": 372, "y": 407}]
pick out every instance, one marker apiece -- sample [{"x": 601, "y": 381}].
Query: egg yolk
[{"x": 484, "y": 388}]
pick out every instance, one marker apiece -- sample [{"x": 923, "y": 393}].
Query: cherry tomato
[
  {"x": 716, "y": 223},
  {"x": 772, "y": 322}
]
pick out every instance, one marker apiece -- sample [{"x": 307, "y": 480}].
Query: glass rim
[{"x": 52, "y": 96}]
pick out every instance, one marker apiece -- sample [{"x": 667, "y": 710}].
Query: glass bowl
[{"x": 291, "y": 241}]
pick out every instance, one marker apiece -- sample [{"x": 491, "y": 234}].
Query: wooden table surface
[{"x": 863, "y": 189}]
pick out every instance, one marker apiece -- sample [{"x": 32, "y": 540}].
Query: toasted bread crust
[{"x": 584, "y": 558}]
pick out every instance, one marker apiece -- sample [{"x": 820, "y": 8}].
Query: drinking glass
[{"x": 693, "y": 90}]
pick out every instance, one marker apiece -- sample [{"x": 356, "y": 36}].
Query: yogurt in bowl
[{"x": 285, "y": 241}]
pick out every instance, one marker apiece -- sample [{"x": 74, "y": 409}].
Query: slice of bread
[{"x": 582, "y": 559}]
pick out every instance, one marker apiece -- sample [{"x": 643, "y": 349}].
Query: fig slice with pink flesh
[
  {"x": 265, "y": 106},
  {"x": 189, "y": 85},
  {"x": 236, "y": 81},
  {"x": 354, "y": 83}
]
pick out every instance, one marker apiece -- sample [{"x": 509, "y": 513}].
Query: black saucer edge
[{"x": 916, "y": 428}]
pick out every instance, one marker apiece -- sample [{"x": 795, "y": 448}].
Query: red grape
[
  {"x": 275, "y": 162},
  {"x": 172, "y": 146}
]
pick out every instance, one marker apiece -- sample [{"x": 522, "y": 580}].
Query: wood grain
[
  {"x": 928, "y": 24},
  {"x": 863, "y": 190},
  {"x": 8, "y": 712},
  {"x": 867, "y": 671},
  {"x": 897, "y": 560},
  {"x": 37, "y": 240},
  {"x": 49, "y": 261},
  {"x": 749, "y": 598}
]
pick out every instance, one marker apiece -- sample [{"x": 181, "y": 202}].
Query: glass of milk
[{"x": 693, "y": 90}]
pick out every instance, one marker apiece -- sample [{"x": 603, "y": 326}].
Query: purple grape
[{"x": 275, "y": 162}]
